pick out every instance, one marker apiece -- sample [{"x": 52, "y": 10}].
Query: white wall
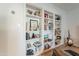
[
  {"x": 73, "y": 25},
  {"x": 15, "y": 26},
  {"x": 12, "y": 38},
  {"x": 3, "y": 30}
]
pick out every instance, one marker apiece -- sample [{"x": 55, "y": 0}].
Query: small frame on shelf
[
  {"x": 45, "y": 24},
  {"x": 34, "y": 25},
  {"x": 50, "y": 25},
  {"x": 57, "y": 31},
  {"x": 57, "y": 17}
]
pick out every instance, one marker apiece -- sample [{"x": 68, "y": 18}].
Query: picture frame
[
  {"x": 57, "y": 31},
  {"x": 50, "y": 25},
  {"x": 45, "y": 24},
  {"x": 33, "y": 25},
  {"x": 57, "y": 17}
]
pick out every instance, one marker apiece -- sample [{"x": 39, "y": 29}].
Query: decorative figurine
[{"x": 69, "y": 40}]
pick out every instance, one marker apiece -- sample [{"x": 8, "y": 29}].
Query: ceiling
[{"x": 67, "y": 6}]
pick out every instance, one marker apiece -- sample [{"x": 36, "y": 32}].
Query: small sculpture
[{"x": 69, "y": 40}]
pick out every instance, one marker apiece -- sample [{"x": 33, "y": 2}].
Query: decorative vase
[
  {"x": 69, "y": 40},
  {"x": 33, "y": 35}
]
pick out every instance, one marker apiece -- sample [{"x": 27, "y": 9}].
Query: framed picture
[
  {"x": 50, "y": 26},
  {"x": 45, "y": 24},
  {"x": 33, "y": 25},
  {"x": 57, "y": 17},
  {"x": 57, "y": 31}
]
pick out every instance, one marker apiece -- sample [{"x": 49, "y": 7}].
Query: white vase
[{"x": 70, "y": 42}]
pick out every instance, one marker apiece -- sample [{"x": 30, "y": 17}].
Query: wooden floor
[
  {"x": 47, "y": 52},
  {"x": 60, "y": 51}
]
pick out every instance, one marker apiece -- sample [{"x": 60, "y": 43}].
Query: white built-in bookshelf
[{"x": 43, "y": 30}]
